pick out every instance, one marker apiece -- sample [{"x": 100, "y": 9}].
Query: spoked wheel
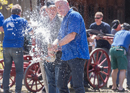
[
  {"x": 98, "y": 68},
  {"x": 31, "y": 78},
  {"x": 12, "y": 77}
]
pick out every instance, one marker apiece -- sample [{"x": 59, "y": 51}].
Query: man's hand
[
  {"x": 93, "y": 37},
  {"x": 109, "y": 39},
  {"x": 1, "y": 29},
  {"x": 52, "y": 49},
  {"x": 97, "y": 37}
]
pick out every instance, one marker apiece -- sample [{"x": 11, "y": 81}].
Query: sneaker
[
  {"x": 111, "y": 86},
  {"x": 123, "y": 90}
]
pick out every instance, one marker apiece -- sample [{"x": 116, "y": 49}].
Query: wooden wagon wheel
[
  {"x": 12, "y": 76},
  {"x": 31, "y": 80},
  {"x": 97, "y": 73}
]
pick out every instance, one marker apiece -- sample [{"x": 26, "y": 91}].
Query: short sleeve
[
  {"x": 74, "y": 23},
  {"x": 1, "y": 19}
]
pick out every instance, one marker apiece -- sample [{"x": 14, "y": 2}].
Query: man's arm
[
  {"x": 56, "y": 44},
  {"x": 91, "y": 38},
  {"x": 108, "y": 39},
  {"x": 1, "y": 29},
  {"x": 1, "y": 22},
  {"x": 68, "y": 38}
]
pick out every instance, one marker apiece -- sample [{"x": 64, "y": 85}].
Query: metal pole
[{"x": 44, "y": 76}]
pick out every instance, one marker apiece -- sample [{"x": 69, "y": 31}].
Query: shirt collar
[
  {"x": 13, "y": 15},
  {"x": 69, "y": 12}
]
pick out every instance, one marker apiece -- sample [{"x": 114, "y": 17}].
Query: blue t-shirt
[
  {"x": 14, "y": 30},
  {"x": 77, "y": 48},
  {"x": 1, "y": 19},
  {"x": 105, "y": 28},
  {"x": 122, "y": 38}
]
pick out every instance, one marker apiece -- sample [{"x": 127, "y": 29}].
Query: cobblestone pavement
[{"x": 90, "y": 90}]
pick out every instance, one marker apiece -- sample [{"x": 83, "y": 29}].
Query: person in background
[
  {"x": 52, "y": 68},
  {"x": 102, "y": 27},
  {"x": 53, "y": 26},
  {"x": 73, "y": 40},
  {"x": 14, "y": 30},
  {"x": 116, "y": 26},
  {"x": 118, "y": 53}
]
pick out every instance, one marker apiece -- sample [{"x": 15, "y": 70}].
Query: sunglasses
[{"x": 97, "y": 17}]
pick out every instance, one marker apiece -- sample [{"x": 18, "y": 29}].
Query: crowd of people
[{"x": 70, "y": 43}]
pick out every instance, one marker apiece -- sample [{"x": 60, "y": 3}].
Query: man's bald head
[{"x": 62, "y": 7}]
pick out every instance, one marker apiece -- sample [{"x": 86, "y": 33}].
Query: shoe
[
  {"x": 114, "y": 89},
  {"x": 110, "y": 87},
  {"x": 86, "y": 86},
  {"x": 43, "y": 90},
  {"x": 128, "y": 87},
  {"x": 123, "y": 90},
  {"x": 71, "y": 85}
]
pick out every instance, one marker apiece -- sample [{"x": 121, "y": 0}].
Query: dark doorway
[{"x": 127, "y": 11}]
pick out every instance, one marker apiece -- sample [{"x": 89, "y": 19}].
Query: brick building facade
[{"x": 112, "y": 9}]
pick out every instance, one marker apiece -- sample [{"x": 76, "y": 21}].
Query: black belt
[{"x": 119, "y": 46}]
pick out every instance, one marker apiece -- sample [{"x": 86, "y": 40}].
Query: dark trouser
[
  {"x": 16, "y": 55},
  {"x": 85, "y": 75},
  {"x": 52, "y": 69},
  {"x": 75, "y": 67}
]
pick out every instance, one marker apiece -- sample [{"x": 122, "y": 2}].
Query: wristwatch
[{"x": 58, "y": 46}]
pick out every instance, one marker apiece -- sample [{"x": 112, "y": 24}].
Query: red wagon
[
  {"x": 31, "y": 74},
  {"x": 93, "y": 67}
]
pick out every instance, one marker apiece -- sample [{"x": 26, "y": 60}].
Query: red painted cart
[{"x": 32, "y": 73}]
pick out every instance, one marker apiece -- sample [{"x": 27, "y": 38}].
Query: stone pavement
[{"x": 90, "y": 90}]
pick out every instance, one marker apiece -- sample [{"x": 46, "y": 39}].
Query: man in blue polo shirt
[
  {"x": 1, "y": 21},
  {"x": 118, "y": 54},
  {"x": 72, "y": 38},
  {"x": 14, "y": 30}
]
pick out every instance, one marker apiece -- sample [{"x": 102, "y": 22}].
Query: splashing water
[{"x": 41, "y": 34}]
